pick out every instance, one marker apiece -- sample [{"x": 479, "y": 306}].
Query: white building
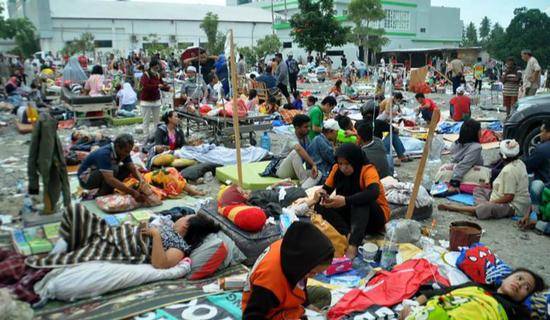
[
  {"x": 409, "y": 24},
  {"x": 119, "y": 26}
]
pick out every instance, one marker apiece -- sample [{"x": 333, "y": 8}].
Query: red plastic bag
[{"x": 488, "y": 136}]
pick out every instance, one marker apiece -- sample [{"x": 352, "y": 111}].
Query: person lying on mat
[
  {"x": 276, "y": 287},
  {"x": 472, "y": 301},
  {"x": 465, "y": 152},
  {"x": 359, "y": 206},
  {"x": 510, "y": 195},
  {"x": 163, "y": 243},
  {"x": 107, "y": 167}
]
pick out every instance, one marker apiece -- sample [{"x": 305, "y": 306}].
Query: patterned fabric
[
  {"x": 17, "y": 277},
  {"x": 539, "y": 305},
  {"x": 470, "y": 303},
  {"x": 288, "y": 115},
  {"x": 482, "y": 266},
  {"x": 90, "y": 238},
  {"x": 170, "y": 238}
]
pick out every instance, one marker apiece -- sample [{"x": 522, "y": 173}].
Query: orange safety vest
[{"x": 268, "y": 273}]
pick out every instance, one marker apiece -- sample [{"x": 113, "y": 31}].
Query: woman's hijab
[
  {"x": 73, "y": 71},
  {"x": 127, "y": 94},
  {"x": 349, "y": 185}
]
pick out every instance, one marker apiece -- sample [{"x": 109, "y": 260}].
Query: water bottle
[
  {"x": 266, "y": 141},
  {"x": 388, "y": 258},
  {"x": 20, "y": 186},
  {"x": 27, "y": 205}
]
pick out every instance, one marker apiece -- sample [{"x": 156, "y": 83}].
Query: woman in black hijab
[{"x": 359, "y": 206}]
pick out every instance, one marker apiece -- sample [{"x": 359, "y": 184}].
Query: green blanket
[{"x": 251, "y": 175}]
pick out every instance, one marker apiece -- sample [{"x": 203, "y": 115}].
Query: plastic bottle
[
  {"x": 27, "y": 205},
  {"x": 266, "y": 141},
  {"x": 388, "y": 258},
  {"x": 20, "y": 186}
]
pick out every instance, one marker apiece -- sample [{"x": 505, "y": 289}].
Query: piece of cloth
[
  {"x": 46, "y": 158},
  {"x": 316, "y": 115},
  {"x": 389, "y": 288},
  {"x": 170, "y": 238},
  {"x": 468, "y": 302},
  {"x": 73, "y": 71},
  {"x": 538, "y": 162},
  {"x": 376, "y": 154},
  {"x": 482, "y": 266},
  {"x": 449, "y": 127},
  {"x": 461, "y": 107},
  {"x": 94, "y": 85},
  {"x": 150, "y": 87},
  {"x": 322, "y": 153},
  {"x": 90, "y": 238},
  {"x": 210, "y": 153},
  {"x": 511, "y": 79},
  {"x": 271, "y": 202},
  {"x": 276, "y": 288},
  {"x": 95, "y": 278},
  {"x": 536, "y": 189},
  {"x": 343, "y": 138},
  {"x": 19, "y": 278},
  {"x": 127, "y": 95},
  {"x": 530, "y": 69},
  {"x": 401, "y": 192},
  {"x": 513, "y": 180},
  {"x": 292, "y": 167},
  {"x": 488, "y": 210},
  {"x": 457, "y": 67},
  {"x": 465, "y": 156},
  {"x": 479, "y": 71}
]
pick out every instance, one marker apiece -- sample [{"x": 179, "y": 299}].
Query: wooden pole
[
  {"x": 420, "y": 172},
  {"x": 235, "y": 91}
]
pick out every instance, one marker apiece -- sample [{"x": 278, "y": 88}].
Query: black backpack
[{"x": 293, "y": 67}]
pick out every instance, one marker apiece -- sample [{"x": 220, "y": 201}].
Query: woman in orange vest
[
  {"x": 276, "y": 285},
  {"x": 359, "y": 206}
]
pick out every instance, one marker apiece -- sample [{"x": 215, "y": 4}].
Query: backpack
[{"x": 293, "y": 67}]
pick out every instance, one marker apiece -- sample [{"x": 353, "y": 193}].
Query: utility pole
[
  {"x": 272, "y": 19},
  {"x": 286, "y": 13}
]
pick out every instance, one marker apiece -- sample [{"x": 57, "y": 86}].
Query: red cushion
[
  {"x": 211, "y": 265},
  {"x": 229, "y": 196},
  {"x": 247, "y": 218}
]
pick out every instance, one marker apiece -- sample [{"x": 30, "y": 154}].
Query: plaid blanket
[
  {"x": 288, "y": 115},
  {"x": 90, "y": 238},
  {"x": 17, "y": 278}
]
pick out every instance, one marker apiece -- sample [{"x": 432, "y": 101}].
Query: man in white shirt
[{"x": 531, "y": 74}]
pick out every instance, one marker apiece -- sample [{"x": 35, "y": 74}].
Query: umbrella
[{"x": 191, "y": 52}]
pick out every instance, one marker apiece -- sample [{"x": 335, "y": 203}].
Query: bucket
[{"x": 463, "y": 234}]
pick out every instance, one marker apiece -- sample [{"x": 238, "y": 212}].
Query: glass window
[{"x": 397, "y": 20}]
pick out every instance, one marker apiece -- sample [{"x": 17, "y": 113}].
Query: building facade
[
  {"x": 408, "y": 24},
  {"x": 121, "y": 26}
]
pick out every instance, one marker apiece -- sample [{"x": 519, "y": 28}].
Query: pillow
[
  {"x": 482, "y": 266},
  {"x": 247, "y": 218},
  {"x": 163, "y": 160},
  {"x": 183, "y": 163},
  {"x": 476, "y": 176},
  {"x": 230, "y": 195},
  {"x": 207, "y": 258},
  {"x": 538, "y": 305},
  {"x": 234, "y": 254}
]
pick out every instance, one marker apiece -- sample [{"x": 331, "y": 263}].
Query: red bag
[
  {"x": 389, "y": 288},
  {"x": 487, "y": 136},
  {"x": 241, "y": 108}
]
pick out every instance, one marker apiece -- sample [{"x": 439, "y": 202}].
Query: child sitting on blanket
[
  {"x": 270, "y": 106},
  {"x": 473, "y": 301}
]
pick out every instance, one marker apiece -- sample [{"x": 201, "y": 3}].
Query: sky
[{"x": 501, "y": 11}]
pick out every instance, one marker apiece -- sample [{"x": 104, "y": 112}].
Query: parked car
[{"x": 526, "y": 119}]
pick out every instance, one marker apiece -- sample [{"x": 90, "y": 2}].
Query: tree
[
  {"x": 315, "y": 28},
  {"x": 484, "y": 28},
  {"x": 471, "y": 36},
  {"x": 249, "y": 54},
  {"x": 83, "y": 44},
  {"x": 22, "y": 31},
  {"x": 268, "y": 45},
  {"x": 364, "y": 14},
  {"x": 529, "y": 29},
  {"x": 216, "y": 40},
  {"x": 495, "y": 39}
]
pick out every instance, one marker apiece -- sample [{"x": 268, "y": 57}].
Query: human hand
[
  {"x": 405, "y": 312},
  {"x": 314, "y": 172},
  {"x": 320, "y": 194},
  {"x": 138, "y": 196},
  {"x": 335, "y": 202},
  {"x": 146, "y": 231}
]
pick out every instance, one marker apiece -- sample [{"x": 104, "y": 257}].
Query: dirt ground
[{"x": 518, "y": 248}]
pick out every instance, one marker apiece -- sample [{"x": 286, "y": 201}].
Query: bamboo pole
[
  {"x": 235, "y": 92},
  {"x": 422, "y": 165}
]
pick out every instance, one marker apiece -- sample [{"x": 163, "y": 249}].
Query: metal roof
[
  {"x": 136, "y": 10},
  {"x": 430, "y": 49}
]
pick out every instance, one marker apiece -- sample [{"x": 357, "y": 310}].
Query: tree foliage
[
  {"x": 484, "y": 28},
  {"x": 529, "y": 29},
  {"x": 216, "y": 40},
  {"x": 315, "y": 28},
  {"x": 364, "y": 14},
  {"x": 84, "y": 44},
  {"x": 471, "y": 36},
  {"x": 22, "y": 31},
  {"x": 267, "y": 45}
]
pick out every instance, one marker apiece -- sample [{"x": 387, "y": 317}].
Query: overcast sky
[{"x": 501, "y": 11}]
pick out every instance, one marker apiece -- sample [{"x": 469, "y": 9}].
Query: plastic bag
[
  {"x": 116, "y": 203},
  {"x": 404, "y": 230}
]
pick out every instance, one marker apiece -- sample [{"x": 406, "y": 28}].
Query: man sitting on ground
[
  {"x": 460, "y": 106},
  {"x": 292, "y": 166},
  {"x": 321, "y": 148},
  {"x": 426, "y": 108},
  {"x": 107, "y": 167},
  {"x": 374, "y": 149}
]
